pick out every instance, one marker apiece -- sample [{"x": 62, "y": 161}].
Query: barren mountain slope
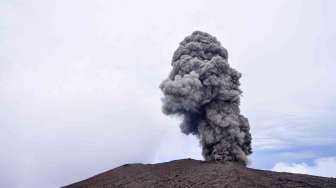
[{"x": 194, "y": 173}]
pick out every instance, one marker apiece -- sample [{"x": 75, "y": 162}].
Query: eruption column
[{"x": 203, "y": 89}]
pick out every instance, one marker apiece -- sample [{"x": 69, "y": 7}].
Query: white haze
[{"x": 79, "y": 80}]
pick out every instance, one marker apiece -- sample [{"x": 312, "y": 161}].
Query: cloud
[
  {"x": 79, "y": 91},
  {"x": 321, "y": 167},
  {"x": 279, "y": 129}
]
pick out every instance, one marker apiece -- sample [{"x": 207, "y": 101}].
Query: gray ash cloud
[{"x": 203, "y": 89}]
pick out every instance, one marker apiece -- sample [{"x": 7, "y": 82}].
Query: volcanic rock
[{"x": 194, "y": 173}]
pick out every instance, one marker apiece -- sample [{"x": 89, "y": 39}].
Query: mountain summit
[{"x": 194, "y": 173}]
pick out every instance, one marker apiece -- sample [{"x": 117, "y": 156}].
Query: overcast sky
[{"x": 79, "y": 84}]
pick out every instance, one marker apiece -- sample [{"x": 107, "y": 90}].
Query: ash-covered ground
[{"x": 194, "y": 173}]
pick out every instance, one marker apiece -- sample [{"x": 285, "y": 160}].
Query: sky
[{"x": 79, "y": 84}]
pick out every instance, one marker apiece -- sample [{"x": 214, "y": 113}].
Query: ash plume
[{"x": 203, "y": 89}]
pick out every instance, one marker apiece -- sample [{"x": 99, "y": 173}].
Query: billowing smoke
[{"x": 203, "y": 89}]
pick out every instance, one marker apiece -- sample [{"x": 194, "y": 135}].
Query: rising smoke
[{"x": 204, "y": 90}]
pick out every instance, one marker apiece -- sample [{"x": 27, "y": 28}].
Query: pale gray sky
[{"x": 79, "y": 83}]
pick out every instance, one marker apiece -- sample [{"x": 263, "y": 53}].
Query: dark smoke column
[{"x": 203, "y": 89}]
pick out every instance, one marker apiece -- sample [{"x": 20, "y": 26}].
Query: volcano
[{"x": 195, "y": 173}]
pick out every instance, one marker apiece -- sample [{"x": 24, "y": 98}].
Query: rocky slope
[{"x": 194, "y": 173}]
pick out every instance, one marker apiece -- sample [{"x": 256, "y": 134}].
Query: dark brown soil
[{"x": 193, "y": 173}]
